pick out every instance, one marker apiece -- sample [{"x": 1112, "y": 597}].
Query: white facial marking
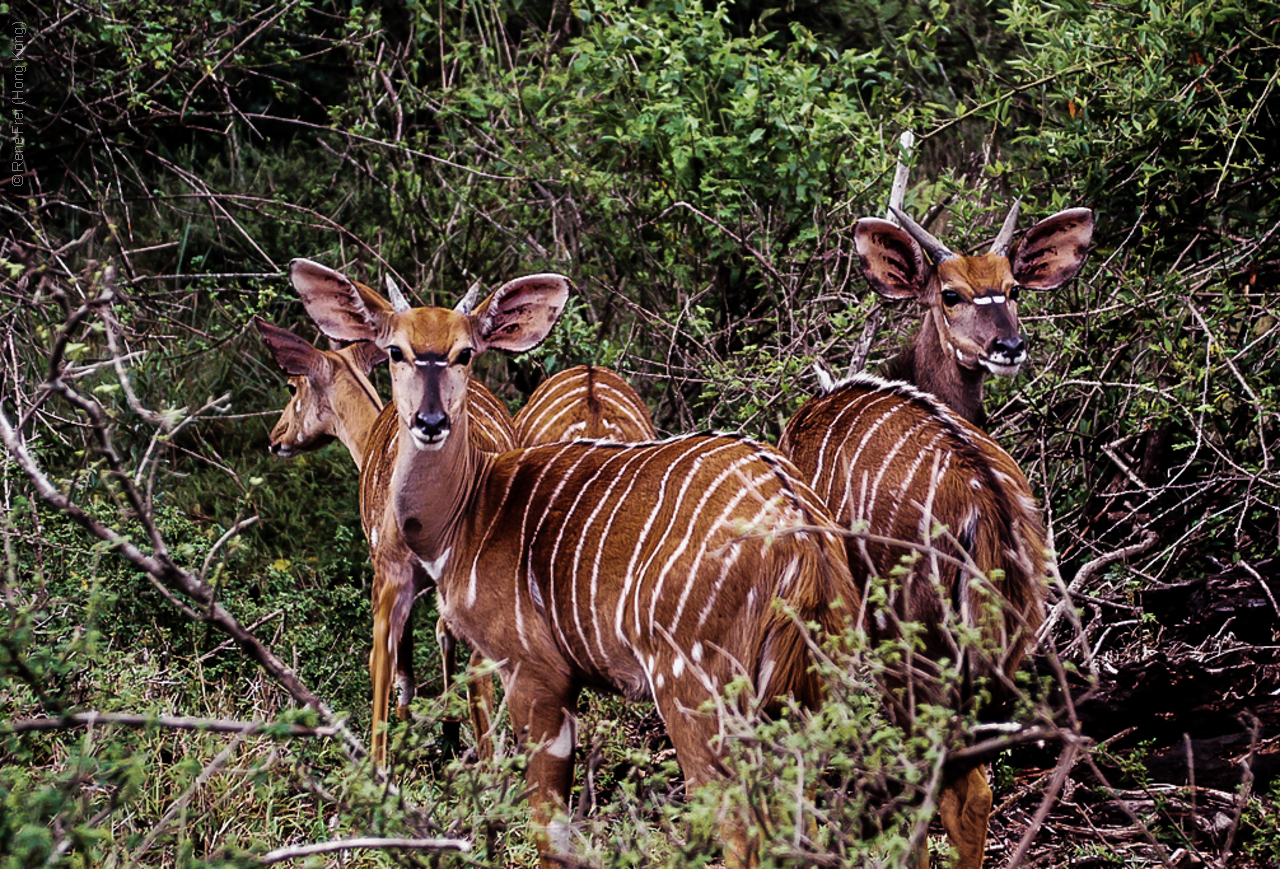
[
  {"x": 431, "y": 363},
  {"x": 297, "y": 407},
  {"x": 995, "y": 299},
  {"x": 562, "y": 746},
  {"x": 1001, "y": 368},
  {"x": 298, "y": 437},
  {"x": 428, "y": 446}
]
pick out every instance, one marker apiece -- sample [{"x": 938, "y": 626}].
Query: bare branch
[
  {"x": 173, "y": 578},
  {"x": 73, "y": 720},
  {"x": 296, "y": 852}
]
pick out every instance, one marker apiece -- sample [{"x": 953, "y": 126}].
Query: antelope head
[
  {"x": 971, "y": 302},
  {"x": 316, "y": 377},
  {"x": 431, "y": 348}
]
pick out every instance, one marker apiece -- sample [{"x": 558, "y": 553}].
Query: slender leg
[
  {"x": 480, "y": 703},
  {"x": 692, "y": 734},
  {"x": 406, "y": 686},
  {"x": 381, "y": 663},
  {"x": 393, "y": 593},
  {"x": 450, "y": 727},
  {"x": 964, "y": 807},
  {"x": 545, "y": 716}
]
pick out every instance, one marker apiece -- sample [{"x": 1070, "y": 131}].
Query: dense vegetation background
[{"x": 696, "y": 168}]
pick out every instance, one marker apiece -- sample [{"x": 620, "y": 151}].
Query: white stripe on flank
[
  {"x": 728, "y": 563},
  {"x": 849, "y": 407},
  {"x": 473, "y": 580},
  {"x": 887, "y": 461},
  {"x": 907, "y": 486},
  {"x": 553, "y": 574},
  {"x": 851, "y": 460},
  {"x": 677, "y": 514},
  {"x": 696, "y": 515},
  {"x": 614, "y": 478},
  {"x": 524, "y": 547},
  {"x": 601, "y": 540},
  {"x": 688, "y": 447},
  {"x": 767, "y": 507}
]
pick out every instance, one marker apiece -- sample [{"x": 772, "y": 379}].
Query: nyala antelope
[
  {"x": 970, "y": 325},
  {"x": 658, "y": 571},
  {"x": 585, "y": 401},
  {"x": 894, "y": 465},
  {"x": 331, "y": 396}
]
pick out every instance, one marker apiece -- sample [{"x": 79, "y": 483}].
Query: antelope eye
[
  {"x": 463, "y": 357},
  {"x": 950, "y": 297},
  {"x": 1014, "y": 293},
  {"x": 395, "y": 354},
  {"x": 292, "y": 387}
]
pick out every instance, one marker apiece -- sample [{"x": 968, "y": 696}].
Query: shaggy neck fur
[
  {"x": 933, "y": 368},
  {"x": 432, "y": 491}
]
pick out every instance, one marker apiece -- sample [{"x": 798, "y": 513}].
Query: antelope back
[
  {"x": 584, "y": 402},
  {"x": 895, "y": 465},
  {"x": 653, "y": 569}
]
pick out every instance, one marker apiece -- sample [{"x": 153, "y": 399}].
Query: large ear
[
  {"x": 366, "y": 354},
  {"x": 1052, "y": 251},
  {"x": 520, "y": 313},
  {"x": 343, "y": 309},
  {"x": 297, "y": 356},
  {"x": 892, "y": 262}
]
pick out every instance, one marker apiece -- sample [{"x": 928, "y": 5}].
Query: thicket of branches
[{"x": 696, "y": 169}]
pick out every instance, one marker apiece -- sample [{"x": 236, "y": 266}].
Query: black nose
[
  {"x": 1010, "y": 347},
  {"x": 432, "y": 424}
]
